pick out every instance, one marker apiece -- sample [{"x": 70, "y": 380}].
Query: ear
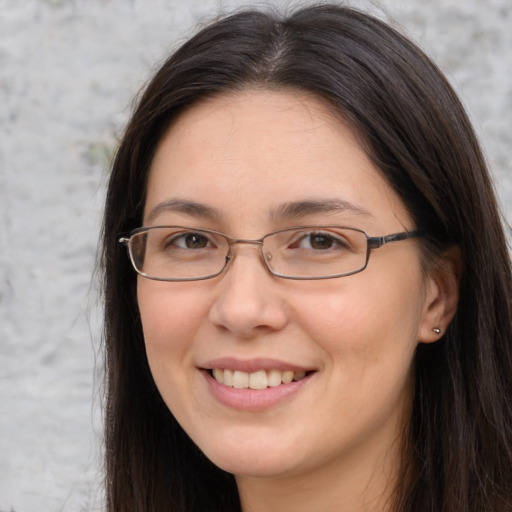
[{"x": 441, "y": 297}]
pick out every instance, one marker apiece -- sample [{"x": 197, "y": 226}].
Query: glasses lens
[
  {"x": 314, "y": 252},
  {"x": 174, "y": 253}
]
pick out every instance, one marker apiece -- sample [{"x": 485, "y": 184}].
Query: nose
[{"x": 248, "y": 302}]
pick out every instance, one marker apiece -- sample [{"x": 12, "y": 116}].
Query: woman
[{"x": 322, "y": 316}]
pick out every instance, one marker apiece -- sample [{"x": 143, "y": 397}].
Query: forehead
[{"x": 256, "y": 150}]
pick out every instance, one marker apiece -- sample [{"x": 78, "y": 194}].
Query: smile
[
  {"x": 260, "y": 379},
  {"x": 255, "y": 385}
]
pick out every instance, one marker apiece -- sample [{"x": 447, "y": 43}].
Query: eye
[
  {"x": 321, "y": 241},
  {"x": 189, "y": 240}
]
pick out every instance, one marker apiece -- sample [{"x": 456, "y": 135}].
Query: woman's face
[{"x": 247, "y": 164}]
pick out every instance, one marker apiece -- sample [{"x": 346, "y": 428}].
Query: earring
[{"x": 437, "y": 330}]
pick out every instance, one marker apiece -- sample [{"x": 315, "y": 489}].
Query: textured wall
[{"x": 68, "y": 71}]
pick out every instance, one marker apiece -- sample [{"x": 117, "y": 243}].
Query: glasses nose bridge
[
  {"x": 235, "y": 241},
  {"x": 245, "y": 241}
]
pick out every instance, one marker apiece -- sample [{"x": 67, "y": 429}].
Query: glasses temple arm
[{"x": 374, "y": 242}]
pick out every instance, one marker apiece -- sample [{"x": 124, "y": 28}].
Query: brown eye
[
  {"x": 188, "y": 240},
  {"x": 195, "y": 241},
  {"x": 320, "y": 242}
]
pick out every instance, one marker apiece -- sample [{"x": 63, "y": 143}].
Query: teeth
[
  {"x": 219, "y": 375},
  {"x": 256, "y": 380},
  {"x": 274, "y": 378},
  {"x": 287, "y": 377},
  {"x": 228, "y": 378},
  {"x": 299, "y": 375},
  {"x": 240, "y": 380}
]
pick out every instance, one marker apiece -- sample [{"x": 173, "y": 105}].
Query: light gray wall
[{"x": 68, "y": 71}]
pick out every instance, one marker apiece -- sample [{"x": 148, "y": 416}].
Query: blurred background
[{"x": 69, "y": 70}]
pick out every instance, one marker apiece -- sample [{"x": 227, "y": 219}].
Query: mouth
[
  {"x": 258, "y": 380},
  {"x": 257, "y": 384}
]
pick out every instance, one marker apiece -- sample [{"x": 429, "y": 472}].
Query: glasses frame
[{"x": 372, "y": 243}]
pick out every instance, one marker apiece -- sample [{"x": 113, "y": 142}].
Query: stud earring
[{"x": 437, "y": 330}]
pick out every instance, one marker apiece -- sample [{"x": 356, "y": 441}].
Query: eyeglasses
[{"x": 179, "y": 253}]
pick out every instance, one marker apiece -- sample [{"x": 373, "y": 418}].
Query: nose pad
[
  {"x": 227, "y": 260},
  {"x": 248, "y": 300},
  {"x": 266, "y": 257}
]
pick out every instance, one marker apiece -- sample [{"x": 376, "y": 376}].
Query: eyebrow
[
  {"x": 313, "y": 206},
  {"x": 290, "y": 210},
  {"x": 184, "y": 206}
]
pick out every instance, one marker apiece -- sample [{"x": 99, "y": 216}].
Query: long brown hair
[{"x": 458, "y": 455}]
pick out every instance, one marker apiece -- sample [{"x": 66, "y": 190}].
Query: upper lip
[{"x": 252, "y": 365}]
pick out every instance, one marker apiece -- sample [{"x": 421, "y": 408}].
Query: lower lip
[{"x": 253, "y": 399}]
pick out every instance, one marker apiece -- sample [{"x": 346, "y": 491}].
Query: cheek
[
  {"x": 364, "y": 323},
  {"x": 171, "y": 315},
  {"x": 168, "y": 313},
  {"x": 170, "y": 319}
]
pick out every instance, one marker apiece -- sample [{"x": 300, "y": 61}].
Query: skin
[{"x": 335, "y": 443}]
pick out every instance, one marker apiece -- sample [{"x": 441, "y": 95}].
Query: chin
[
  {"x": 260, "y": 467},
  {"x": 254, "y": 459}
]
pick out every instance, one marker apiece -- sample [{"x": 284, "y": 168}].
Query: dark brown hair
[{"x": 458, "y": 450}]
